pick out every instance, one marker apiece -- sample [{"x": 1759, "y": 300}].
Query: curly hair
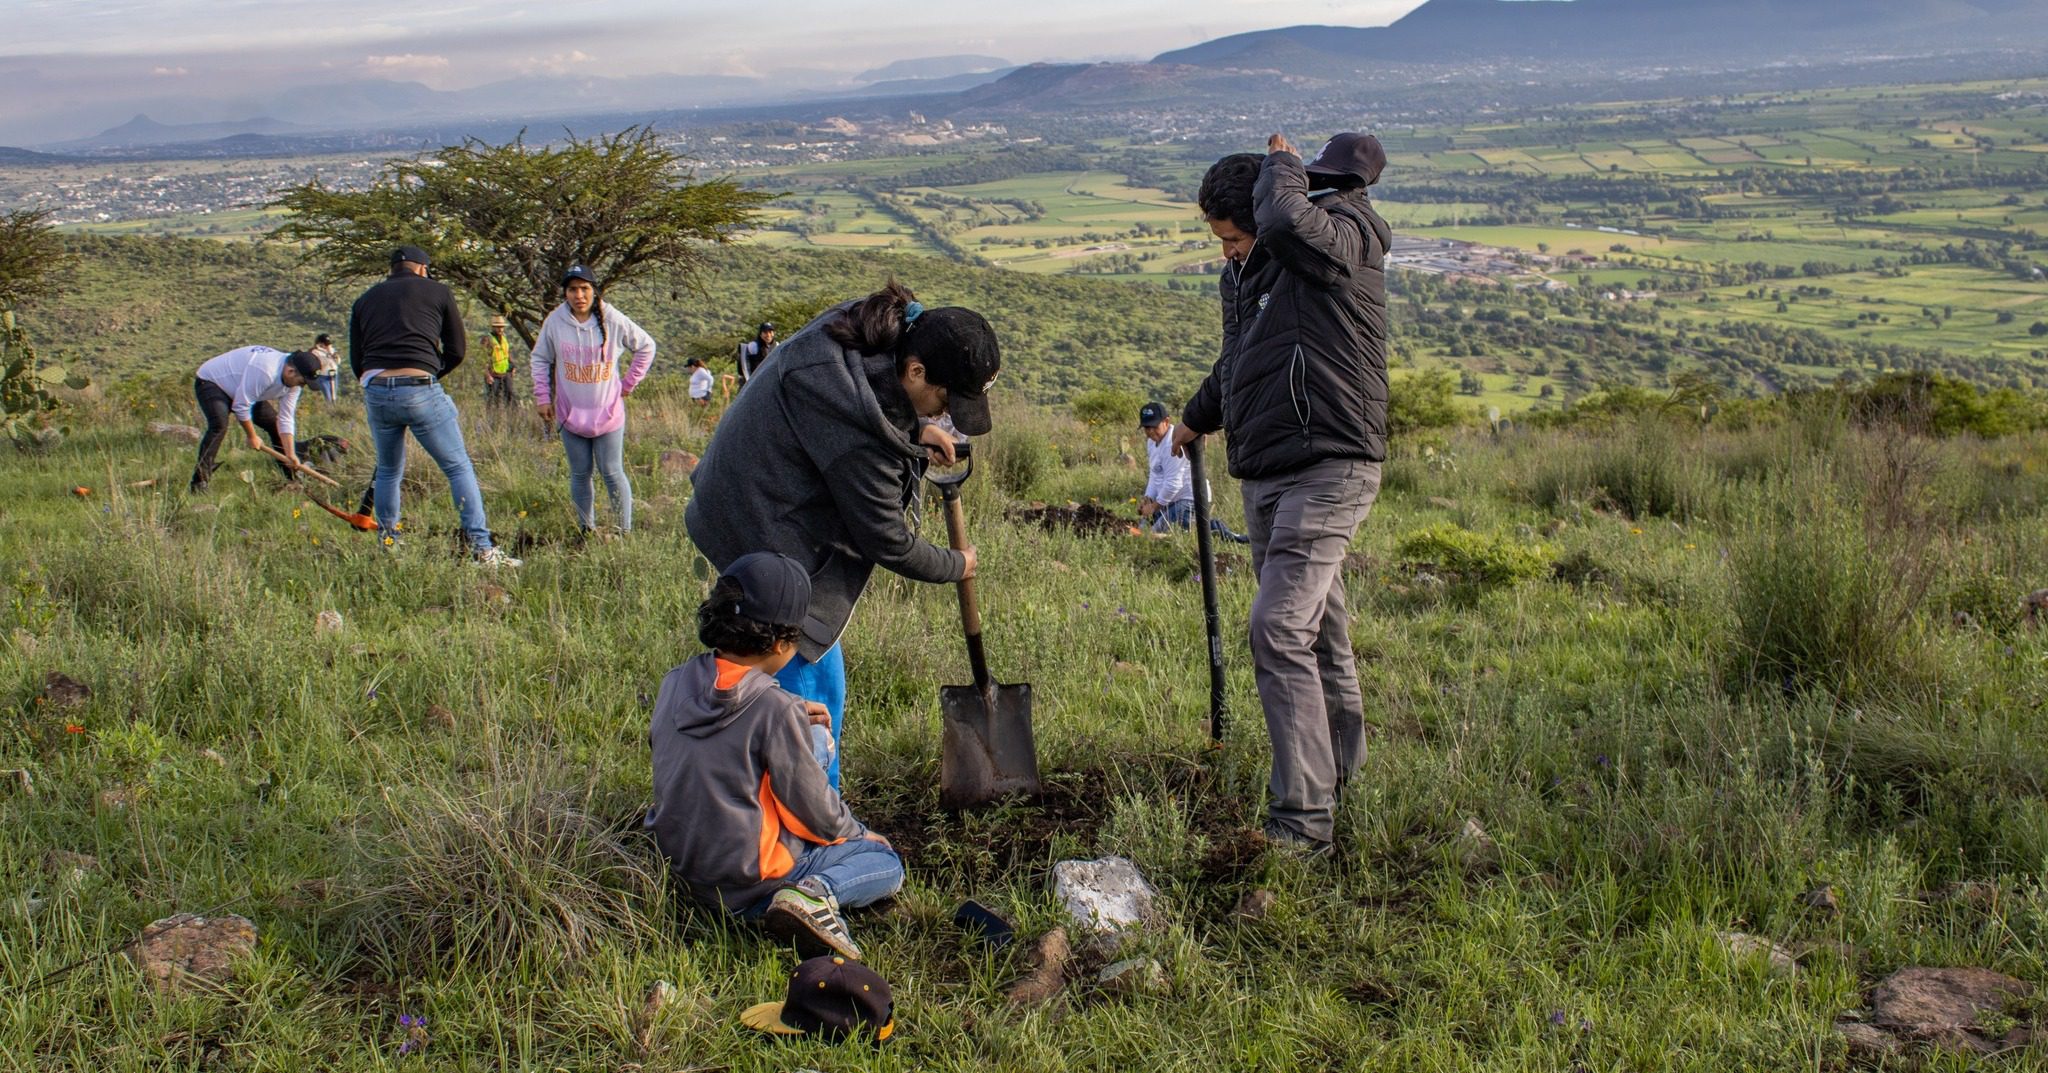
[
  {"x": 1226, "y": 192},
  {"x": 721, "y": 626}
]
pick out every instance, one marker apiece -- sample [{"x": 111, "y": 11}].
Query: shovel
[
  {"x": 1205, "y": 545},
  {"x": 986, "y": 749}
]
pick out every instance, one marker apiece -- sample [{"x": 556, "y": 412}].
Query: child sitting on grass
[{"x": 742, "y": 809}]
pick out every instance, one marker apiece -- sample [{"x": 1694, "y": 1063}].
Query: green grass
[{"x": 1642, "y": 790}]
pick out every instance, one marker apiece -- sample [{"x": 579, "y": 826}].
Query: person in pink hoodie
[{"x": 578, "y": 388}]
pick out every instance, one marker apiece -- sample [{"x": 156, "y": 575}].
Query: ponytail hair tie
[{"x": 911, "y": 312}]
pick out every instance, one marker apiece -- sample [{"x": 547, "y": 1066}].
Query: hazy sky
[{"x": 64, "y": 63}]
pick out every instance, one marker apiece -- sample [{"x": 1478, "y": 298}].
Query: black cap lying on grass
[{"x": 829, "y": 998}]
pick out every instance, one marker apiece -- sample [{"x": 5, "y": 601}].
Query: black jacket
[
  {"x": 406, "y": 322},
  {"x": 809, "y": 462},
  {"x": 1303, "y": 374}
]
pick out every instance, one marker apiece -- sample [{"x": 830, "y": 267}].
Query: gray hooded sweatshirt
[
  {"x": 806, "y": 463},
  {"x": 738, "y": 797}
]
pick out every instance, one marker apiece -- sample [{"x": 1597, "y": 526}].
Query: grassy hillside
[
  {"x": 1629, "y": 691},
  {"x": 160, "y": 306}
]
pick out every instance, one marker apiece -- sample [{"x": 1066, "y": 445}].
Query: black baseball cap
[
  {"x": 307, "y": 365},
  {"x": 410, "y": 253},
  {"x": 1152, "y": 415},
  {"x": 830, "y": 998},
  {"x": 959, "y": 352},
  {"x": 578, "y": 272},
  {"x": 766, "y": 326},
  {"x": 1350, "y": 155},
  {"x": 773, "y": 588}
]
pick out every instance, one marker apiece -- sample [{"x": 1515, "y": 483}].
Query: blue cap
[
  {"x": 1152, "y": 415},
  {"x": 578, "y": 272},
  {"x": 773, "y": 588}
]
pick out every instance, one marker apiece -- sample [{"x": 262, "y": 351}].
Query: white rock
[
  {"x": 1104, "y": 897},
  {"x": 1747, "y": 946},
  {"x": 327, "y": 622},
  {"x": 1137, "y": 976}
]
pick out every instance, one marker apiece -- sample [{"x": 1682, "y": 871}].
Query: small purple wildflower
[
  {"x": 415, "y": 1033},
  {"x": 1557, "y": 1018},
  {"x": 1601, "y": 760},
  {"x": 372, "y": 694},
  {"x": 1586, "y": 1026}
]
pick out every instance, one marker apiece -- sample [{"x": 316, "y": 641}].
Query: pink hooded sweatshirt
[{"x": 576, "y": 367}]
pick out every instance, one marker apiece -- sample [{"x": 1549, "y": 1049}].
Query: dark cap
[
  {"x": 578, "y": 272},
  {"x": 1152, "y": 415},
  {"x": 773, "y": 588},
  {"x": 307, "y": 365},
  {"x": 410, "y": 253},
  {"x": 830, "y": 998},
  {"x": 766, "y": 326},
  {"x": 959, "y": 352},
  {"x": 1350, "y": 155}
]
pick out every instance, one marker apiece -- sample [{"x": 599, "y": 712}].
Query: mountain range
[
  {"x": 1553, "y": 43},
  {"x": 1630, "y": 33}
]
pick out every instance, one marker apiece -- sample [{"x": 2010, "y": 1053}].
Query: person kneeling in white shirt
[{"x": 1169, "y": 501}]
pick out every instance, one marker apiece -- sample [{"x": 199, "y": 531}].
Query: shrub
[
  {"x": 1823, "y": 601},
  {"x": 1475, "y": 558},
  {"x": 1107, "y": 407},
  {"x": 1020, "y": 458},
  {"x": 1422, "y": 400},
  {"x": 517, "y": 870}
]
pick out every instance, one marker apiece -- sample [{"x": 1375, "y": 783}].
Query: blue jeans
[
  {"x": 607, "y": 453},
  {"x": 1181, "y": 515},
  {"x": 824, "y": 682},
  {"x": 430, "y": 414},
  {"x": 325, "y": 382},
  {"x": 857, "y": 872}
]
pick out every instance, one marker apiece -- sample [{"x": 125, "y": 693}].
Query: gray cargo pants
[{"x": 1301, "y": 525}]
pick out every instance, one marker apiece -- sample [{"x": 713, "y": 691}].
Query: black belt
[{"x": 402, "y": 381}]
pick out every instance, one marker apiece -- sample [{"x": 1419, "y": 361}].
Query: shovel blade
[{"x": 987, "y": 752}]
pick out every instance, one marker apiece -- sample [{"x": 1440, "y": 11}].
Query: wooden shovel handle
[
  {"x": 293, "y": 463},
  {"x": 970, "y": 608}
]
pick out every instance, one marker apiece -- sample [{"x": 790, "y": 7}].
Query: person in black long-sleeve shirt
[{"x": 404, "y": 335}]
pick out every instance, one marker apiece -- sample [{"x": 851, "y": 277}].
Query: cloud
[
  {"x": 170, "y": 72},
  {"x": 559, "y": 63},
  {"x": 405, "y": 61}
]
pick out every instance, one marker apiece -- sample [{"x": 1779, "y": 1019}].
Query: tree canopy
[
  {"x": 502, "y": 222},
  {"x": 30, "y": 255}
]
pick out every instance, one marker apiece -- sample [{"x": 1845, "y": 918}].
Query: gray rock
[
  {"x": 185, "y": 951},
  {"x": 1743, "y": 945},
  {"x": 1942, "y": 1006},
  {"x": 1867, "y": 1041},
  {"x": 1136, "y": 976},
  {"x": 1105, "y": 897},
  {"x": 181, "y": 433},
  {"x": 1256, "y": 905}
]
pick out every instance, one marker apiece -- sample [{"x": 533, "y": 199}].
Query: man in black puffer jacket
[{"x": 1301, "y": 388}]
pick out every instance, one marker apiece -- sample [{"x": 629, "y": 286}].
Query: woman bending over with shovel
[{"x": 820, "y": 458}]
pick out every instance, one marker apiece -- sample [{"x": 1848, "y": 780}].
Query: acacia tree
[{"x": 503, "y": 221}]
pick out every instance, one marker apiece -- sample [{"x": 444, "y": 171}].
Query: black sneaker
[{"x": 809, "y": 918}]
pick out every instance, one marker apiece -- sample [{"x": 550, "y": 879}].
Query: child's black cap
[
  {"x": 773, "y": 588},
  {"x": 831, "y": 998}
]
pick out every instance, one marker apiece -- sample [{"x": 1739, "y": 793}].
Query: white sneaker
[{"x": 495, "y": 557}]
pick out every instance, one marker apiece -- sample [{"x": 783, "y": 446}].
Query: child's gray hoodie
[{"x": 738, "y": 796}]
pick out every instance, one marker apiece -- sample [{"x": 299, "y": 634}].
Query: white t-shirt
[
  {"x": 1168, "y": 480},
  {"x": 700, "y": 383}
]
